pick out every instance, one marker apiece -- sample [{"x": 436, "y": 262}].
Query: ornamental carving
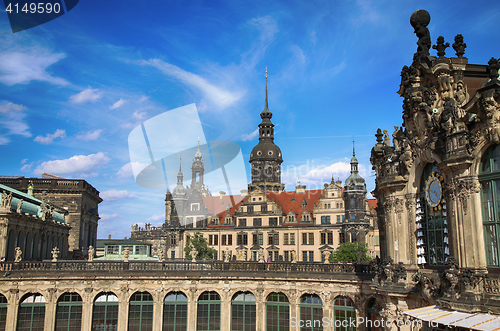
[{"x": 462, "y": 189}]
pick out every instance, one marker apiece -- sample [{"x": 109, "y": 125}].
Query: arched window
[
  {"x": 69, "y": 312},
  {"x": 432, "y": 229},
  {"x": 11, "y": 246},
  {"x": 175, "y": 310},
  {"x": 31, "y": 315},
  {"x": 140, "y": 313},
  {"x": 373, "y": 320},
  {"x": 243, "y": 312},
  {"x": 3, "y": 311},
  {"x": 277, "y": 312},
  {"x": 489, "y": 177},
  {"x": 208, "y": 312},
  {"x": 105, "y": 313},
  {"x": 343, "y": 310},
  {"x": 27, "y": 247},
  {"x": 35, "y": 247},
  {"x": 311, "y": 312}
]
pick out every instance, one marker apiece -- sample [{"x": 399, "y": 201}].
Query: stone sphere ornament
[{"x": 420, "y": 16}]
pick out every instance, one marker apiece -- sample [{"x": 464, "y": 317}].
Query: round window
[
  {"x": 270, "y": 152},
  {"x": 259, "y": 153}
]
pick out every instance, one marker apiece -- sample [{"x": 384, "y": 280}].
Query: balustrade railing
[{"x": 299, "y": 269}]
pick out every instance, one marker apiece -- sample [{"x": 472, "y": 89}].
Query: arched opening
[
  {"x": 373, "y": 320},
  {"x": 208, "y": 312},
  {"x": 11, "y": 245},
  {"x": 140, "y": 313},
  {"x": 343, "y": 310},
  {"x": 243, "y": 312},
  {"x": 34, "y": 249},
  {"x": 31, "y": 315},
  {"x": 489, "y": 178},
  {"x": 69, "y": 312},
  {"x": 3, "y": 312},
  {"x": 311, "y": 311},
  {"x": 105, "y": 312},
  {"x": 27, "y": 247},
  {"x": 277, "y": 312},
  {"x": 175, "y": 312}
]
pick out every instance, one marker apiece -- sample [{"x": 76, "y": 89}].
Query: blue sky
[{"x": 73, "y": 89}]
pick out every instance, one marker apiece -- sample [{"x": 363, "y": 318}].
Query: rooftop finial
[
  {"x": 353, "y": 152},
  {"x": 266, "y": 106},
  {"x": 180, "y": 164}
]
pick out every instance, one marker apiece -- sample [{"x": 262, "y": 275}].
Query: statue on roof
[
  {"x": 419, "y": 21},
  {"x": 6, "y": 200},
  {"x": 19, "y": 208}
]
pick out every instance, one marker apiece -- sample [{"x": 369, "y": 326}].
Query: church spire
[
  {"x": 266, "y": 106},
  {"x": 353, "y": 152}
]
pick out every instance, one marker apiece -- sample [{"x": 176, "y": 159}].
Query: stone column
[
  {"x": 50, "y": 309},
  {"x": 87, "y": 304},
  {"x": 292, "y": 301},
  {"x": 192, "y": 295},
  {"x": 123, "y": 297},
  {"x": 4, "y": 236},
  {"x": 260, "y": 309},
  {"x": 12, "y": 309},
  {"x": 327, "y": 310},
  {"x": 158, "y": 296},
  {"x": 225, "y": 309}
]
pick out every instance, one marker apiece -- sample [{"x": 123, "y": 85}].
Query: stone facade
[{"x": 77, "y": 197}]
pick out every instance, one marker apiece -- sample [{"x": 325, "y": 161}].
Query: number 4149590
[{"x": 33, "y": 7}]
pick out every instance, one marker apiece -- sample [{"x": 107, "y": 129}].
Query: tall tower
[
  {"x": 355, "y": 202},
  {"x": 265, "y": 157},
  {"x": 198, "y": 170}
]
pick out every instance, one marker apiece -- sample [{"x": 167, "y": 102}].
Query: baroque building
[
  {"x": 437, "y": 183},
  {"x": 265, "y": 221},
  {"x": 76, "y": 197}
]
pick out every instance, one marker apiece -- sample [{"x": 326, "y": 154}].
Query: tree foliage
[
  {"x": 201, "y": 245},
  {"x": 348, "y": 253}
]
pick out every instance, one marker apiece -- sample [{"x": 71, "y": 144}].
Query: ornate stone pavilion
[
  {"x": 437, "y": 214},
  {"x": 438, "y": 182}
]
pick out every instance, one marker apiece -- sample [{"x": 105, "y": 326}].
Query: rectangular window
[
  {"x": 304, "y": 256},
  {"x": 285, "y": 239},
  {"x": 216, "y": 239},
  {"x": 173, "y": 240},
  {"x": 263, "y": 207},
  {"x": 250, "y": 209},
  {"x": 338, "y": 218},
  {"x": 323, "y": 239},
  {"x": 261, "y": 239},
  {"x": 270, "y": 240},
  {"x": 172, "y": 254},
  {"x": 292, "y": 238},
  {"x": 223, "y": 240},
  {"x": 330, "y": 238},
  {"x": 210, "y": 239},
  {"x": 341, "y": 238},
  {"x": 311, "y": 256},
  {"x": 276, "y": 256},
  {"x": 273, "y": 221},
  {"x": 243, "y": 222},
  {"x": 311, "y": 238},
  {"x": 141, "y": 250},
  {"x": 286, "y": 256},
  {"x": 112, "y": 249},
  {"x": 230, "y": 239},
  {"x": 304, "y": 239},
  {"x": 257, "y": 222},
  {"x": 343, "y": 218},
  {"x": 239, "y": 239},
  {"x": 254, "y": 240}
]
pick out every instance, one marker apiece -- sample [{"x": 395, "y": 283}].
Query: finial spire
[
  {"x": 180, "y": 164},
  {"x": 266, "y": 106},
  {"x": 353, "y": 152}
]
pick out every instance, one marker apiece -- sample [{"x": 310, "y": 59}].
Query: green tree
[
  {"x": 201, "y": 245},
  {"x": 348, "y": 252}
]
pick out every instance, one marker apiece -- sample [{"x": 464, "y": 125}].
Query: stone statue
[
  {"x": 419, "y": 21},
  {"x": 241, "y": 255},
  {"x": 19, "y": 208},
  {"x": 359, "y": 255},
  {"x": 126, "y": 253},
  {"x": 194, "y": 254},
  {"x": 441, "y": 46},
  {"x": 55, "y": 254},
  {"x": 387, "y": 140},
  {"x": 327, "y": 254},
  {"x": 294, "y": 256},
  {"x": 451, "y": 275},
  {"x": 6, "y": 200},
  {"x": 395, "y": 138},
  {"x": 30, "y": 188},
  {"x": 261, "y": 254},
  {"x": 18, "y": 255},
  {"x": 160, "y": 253},
  {"x": 227, "y": 255},
  {"x": 459, "y": 45},
  {"x": 91, "y": 253}
]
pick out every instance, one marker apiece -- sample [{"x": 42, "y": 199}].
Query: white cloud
[
  {"x": 299, "y": 54},
  {"x": 250, "y": 136},
  {"x": 12, "y": 120},
  {"x": 118, "y": 104},
  {"x": 114, "y": 195},
  {"x": 27, "y": 167},
  {"x": 143, "y": 98},
  {"x": 217, "y": 95},
  {"x": 87, "y": 95},
  {"x": 23, "y": 161},
  {"x": 107, "y": 217},
  {"x": 90, "y": 135},
  {"x": 81, "y": 165},
  {"x": 139, "y": 115},
  {"x": 23, "y": 66},
  {"x": 313, "y": 37},
  {"x": 49, "y": 138},
  {"x": 7, "y": 107},
  {"x": 156, "y": 218},
  {"x": 125, "y": 171}
]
